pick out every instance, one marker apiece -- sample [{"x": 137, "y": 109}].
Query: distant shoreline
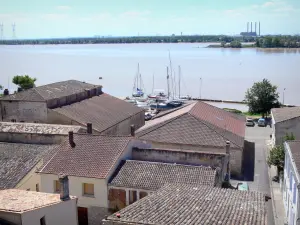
[{"x": 249, "y": 46}]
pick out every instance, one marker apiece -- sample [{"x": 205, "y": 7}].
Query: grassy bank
[{"x": 247, "y": 114}]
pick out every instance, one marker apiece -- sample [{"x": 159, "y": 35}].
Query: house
[
  {"x": 285, "y": 121},
  {"x": 20, "y": 207},
  {"x": 72, "y": 102},
  {"x": 137, "y": 179},
  {"x": 179, "y": 204},
  {"x": 89, "y": 161},
  {"x": 198, "y": 127},
  {"x": 36, "y": 133},
  {"x": 19, "y": 162},
  {"x": 291, "y": 182}
]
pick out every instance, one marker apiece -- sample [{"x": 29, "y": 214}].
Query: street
[{"x": 259, "y": 135}]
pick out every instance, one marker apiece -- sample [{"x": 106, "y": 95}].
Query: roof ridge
[
  {"x": 205, "y": 123},
  {"x": 103, "y": 135},
  {"x": 161, "y": 124},
  {"x": 171, "y": 164}
]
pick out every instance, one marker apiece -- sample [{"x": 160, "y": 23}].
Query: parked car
[
  {"x": 261, "y": 122},
  {"x": 250, "y": 122}
]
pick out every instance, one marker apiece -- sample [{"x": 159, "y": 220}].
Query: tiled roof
[
  {"x": 294, "y": 146},
  {"x": 103, "y": 111},
  {"x": 51, "y": 91},
  {"x": 16, "y": 160},
  {"x": 18, "y": 201},
  {"x": 287, "y": 113},
  {"x": 153, "y": 175},
  {"x": 192, "y": 205},
  {"x": 37, "y": 128},
  {"x": 93, "y": 156},
  {"x": 196, "y": 124}
]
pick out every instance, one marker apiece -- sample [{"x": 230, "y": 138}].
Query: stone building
[
  {"x": 137, "y": 179},
  {"x": 19, "y": 207},
  {"x": 179, "y": 204},
  {"x": 72, "y": 103},
  {"x": 198, "y": 127},
  {"x": 89, "y": 161},
  {"x": 285, "y": 121}
]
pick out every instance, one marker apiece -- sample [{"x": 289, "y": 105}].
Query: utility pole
[{"x": 283, "y": 96}]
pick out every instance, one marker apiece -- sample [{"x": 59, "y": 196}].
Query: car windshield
[
  {"x": 261, "y": 120},
  {"x": 249, "y": 120}
]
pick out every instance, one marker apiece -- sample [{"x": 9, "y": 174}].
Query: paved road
[{"x": 260, "y": 135}]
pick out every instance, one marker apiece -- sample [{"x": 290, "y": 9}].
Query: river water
[{"x": 225, "y": 73}]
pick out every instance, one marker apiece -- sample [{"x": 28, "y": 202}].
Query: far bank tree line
[{"x": 281, "y": 41}]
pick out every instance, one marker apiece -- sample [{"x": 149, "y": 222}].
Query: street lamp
[
  {"x": 200, "y": 86},
  {"x": 283, "y": 96}
]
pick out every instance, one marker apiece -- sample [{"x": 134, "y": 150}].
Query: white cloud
[
  {"x": 269, "y": 4},
  {"x": 63, "y": 7},
  {"x": 134, "y": 14}
]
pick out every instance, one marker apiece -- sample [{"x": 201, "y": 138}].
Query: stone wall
[
  {"x": 123, "y": 128},
  {"x": 28, "y": 138},
  {"x": 22, "y": 111},
  {"x": 287, "y": 127}
]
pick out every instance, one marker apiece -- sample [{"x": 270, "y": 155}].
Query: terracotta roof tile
[
  {"x": 103, "y": 111},
  {"x": 287, "y": 113},
  {"x": 178, "y": 204},
  {"x": 93, "y": 156},
  {"x": 153, "y": 175},
  {"x": 196, "y": 124}
]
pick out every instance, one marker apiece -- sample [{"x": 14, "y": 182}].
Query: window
[
  {"x": 56, "y": 186},
  {"x": 37, "y": 187},
  {"x": 88, "y": 189},
  {"x": 42, "y": 221},
  {"x": 132, "y": 196}
]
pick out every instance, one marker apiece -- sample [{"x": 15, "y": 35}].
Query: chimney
[
  {"x": 132, "y": 130},
  {"x": 251, "y": 27},
  {"x": 247, "y": 27},
  {"x": 6, "y": 92},
  {"x": 89, "y": 128},
  {"x": 71, "y": 139},
  {"x": 64, "y": 187},
  {"x": 228, "y": 163},
  {"x": 258, "y": 28},
  {"x": 255, "y": 27}
]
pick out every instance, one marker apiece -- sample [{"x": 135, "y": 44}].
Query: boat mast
[
  {"x": 171, "y": 73},
  {"x": 179, "y": 74},
  {"x": 153, "y": 84},
  {"x": 137, "y": 76},
  {"x": 168, "y": 82}
]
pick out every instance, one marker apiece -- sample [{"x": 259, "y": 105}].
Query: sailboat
[{"x": 137, "y": 88}]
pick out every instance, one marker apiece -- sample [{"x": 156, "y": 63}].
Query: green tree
[
  {"x": 24, "y": 82},
  {"x": 1, "y": 87},
  {"x": 262, "y": 97},
  {"x": 235, "y": 44},
  {"x": 277, "y": 154}
]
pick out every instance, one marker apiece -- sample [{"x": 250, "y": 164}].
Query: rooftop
[
  {"x": 93, "y": 156},
  {"x": 103, "y": 111},
  {"x": 51, "y": 91},
  {"x": 37, "y": 128},
  {"x": 179, "y": 204},
  {"x": 17, "y": 160},
  {"x": 196, "y": 124},
  {"x": 294, "y": 147},
  {"x": 153, "y": 175},
  {"x": 286, "y": 113},
  {"x": 19, "y": 201}
]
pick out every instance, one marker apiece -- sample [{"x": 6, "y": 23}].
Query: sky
[{"x": 82, "y": 18}]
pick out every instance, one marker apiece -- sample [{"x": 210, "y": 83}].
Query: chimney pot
[
  {"x": 6, "y": 92},
  {"x": 71, "y": 139},
  {"x": 89, "y": 128},
  {"x": 132, "y": 130},
  {"x": 64, "y": 187}
]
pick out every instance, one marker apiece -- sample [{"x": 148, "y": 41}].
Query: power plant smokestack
[
  {"x": 255, "y": 27},
  {"x": 247, "y": 27},
  {"x": 251, "y": 27},
  {"x": 259, "y": 28}
]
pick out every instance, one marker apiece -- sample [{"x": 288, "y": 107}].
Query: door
[{"x": 82, "y": 216}]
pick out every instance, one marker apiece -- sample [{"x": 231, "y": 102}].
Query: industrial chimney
[
  {"x": 259, "y": 28},
  {"x": 71, "y": 139},
  {"x": 247, "y": 27},
  {"x": 255, "y": 27},
  {"x": 64, "y": 187},
  {"x": 251, "y": 27}
]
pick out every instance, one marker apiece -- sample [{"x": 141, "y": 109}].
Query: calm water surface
[{"x": 226, "y": 73}]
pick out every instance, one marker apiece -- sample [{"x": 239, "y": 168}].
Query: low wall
[{"x": 28, "y": 138}]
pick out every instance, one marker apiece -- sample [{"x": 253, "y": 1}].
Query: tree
[
  {"x": 277, "y": 154},
  {"x": 24, "y": 82},
  {"x": 235, "y": 44},
  {"x": 1, "y": 87},
  {"x": 262, "y": 97}
]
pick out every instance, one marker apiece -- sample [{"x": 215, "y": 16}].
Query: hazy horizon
[{"x": 66, "y": 18}]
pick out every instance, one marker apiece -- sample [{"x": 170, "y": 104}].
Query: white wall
[
  {"x": 63, "y": 213},
  {"x": 14, "y": 218},
  {"x": 76, "y": 189},
  {"x": 24, "y": 111}
]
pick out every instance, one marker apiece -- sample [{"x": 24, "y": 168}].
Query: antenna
[
  {"x": 13, "y": 31},
  {"x": 1, "y": 32}
]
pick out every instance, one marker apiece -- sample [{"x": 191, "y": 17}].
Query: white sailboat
[{"x": 137, "y": 88}]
